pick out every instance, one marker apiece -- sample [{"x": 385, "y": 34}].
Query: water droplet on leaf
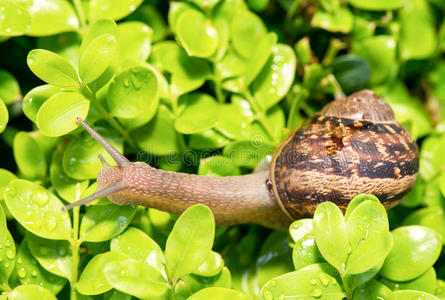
[
  {"x": 19, "y": 260},
  {"x": 22, "y": 273},
  {"x": 11, "y": 192},
  {"x": 126, "y": 82},
  {"x": 10, "y": 254},
  {"x": 41, "y": 198},
  {"x": 51, "y": 223},
  {"x": 313, "y": 281},
  {"x": 267, "y": 295},
  {"x": 324, "y": 279},
  {"x": 273, "y": 283},
  {"x": 8, "y": 243},
  {"x": 316, "y": 292},
  {"x": 34, "y": 273}
]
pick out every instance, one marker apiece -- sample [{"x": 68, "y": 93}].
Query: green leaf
[
  {"x": 275, "y": 79},
  {"x": 338, "y": 20},
  {"x": 373, "y": 290},
  {"x": 246, "y": 30},
  {"x": 274, "y": 258},
  {"x": 92, "y": 281},
  {"x": 28, "y": 156},
  {"x": 67, "y": 187},
  {"x": 367, "y": 219},
  {"x": 113, "y": 9},
  {"x": 233, "y": 123},
  {"x": 28, "y": 271},
  {"x": 135, "y": 40},
  {"x": 218, "y": 293},
  {"x": 158, "y": 136},
  {"x": 351, "y": 72},
  {"x": 97, "y": 57},
  {"x": 432, "y": 217},
  {"x": 218, "y": 166},
  {"x": 52, "y": 68},
  {"x": 305, "y": 251},
  {"x": 100, "y": 27},
  {"x": 5, "y": 177},
  {"x": 136, "y": 278},
  {"x": 261, "y": 57},
  {"x": 380, "y": 51},
  {"x": 196, "y": 33},
  {"x": 38, "y": 210},
  {"x": 191, "y": 119},
  {"x": 80, "y": 157},
  {"x": 402, "y": 295},
  {"x": 153, "y": 18},
  {"x": 4, "y": 116},
  {"x": 209, "y": 139},
  {"x": 369, "y": 253},
  {"x": 7, "y": 252},
  {"x": 190, "y": 241},
  {"x": 313, "y": 282},
  {"x": 356, "y": 201},
  {"x": 15, "y": 19},
  {"x": 190, "y": 284},
  {"x": 9, "y": 87},
  {"x": 57, "y": 116},
  {"x": 34, "y": 99},
  {"x": 425, "y": 282},
  {"x": 417, "y": 19},
  {"x": 331, "y": 235},
  {"x": 168, "y": 56},
  {"x": 53, "y": 255},
  {"x": 211, "y": 266},
  {"x": 138, "y": 245},
  {"x": 377, "y": 4},
  {"x": 415, "y": 250},
  {"x": 60, "y": 12},
  {"x": 133, "y": 92},
  {"x": 248, "y": 153},
  {"x": 30, "y": 291},
  {"x": 103, "y": 222}
]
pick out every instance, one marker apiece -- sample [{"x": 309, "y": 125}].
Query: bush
[{"x": 210, "y": 87}]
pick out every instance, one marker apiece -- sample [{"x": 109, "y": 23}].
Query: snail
[{"x": 354, "y": 145}]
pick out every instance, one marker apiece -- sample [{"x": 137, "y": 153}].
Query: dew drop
[
  {"x": 126, "y": 82},
  {"x": 6, "y": 265},
  {"x": 8, "y": 243},
  {"x": 313, "y": 281},
  {"x": 333, "y": 281},
  {"x": 41, "y": 198},
  {"x": 51, "y": 223},
  {"x": 324, "y": 279},
  {"x": 124, "y": 271},
  {"x": 11, "y": 192},
  {"x": 267, "y": 295},
  {"x": 281, "y": 297},
  {"x": 8, "y": 30},
  {"x": 34, "y": 261},
  {"x": 316, "y": 292},
  {"x": 34, "y": 273},
  {"x": 136, "y": 83},
  {"x": 22, "y": 273},
  {"x": 19, "y": 260},
  {"x": 273, "y": 283},
  {"x": 10, "y": 254}
]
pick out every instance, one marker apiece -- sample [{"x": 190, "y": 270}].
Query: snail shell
[{"x": 353, "y": 146}]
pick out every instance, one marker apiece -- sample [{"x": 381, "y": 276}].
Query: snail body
[{"x": 352, "y": 146}]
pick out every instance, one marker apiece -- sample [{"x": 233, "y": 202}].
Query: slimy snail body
[{"x": 353, "y": 145}]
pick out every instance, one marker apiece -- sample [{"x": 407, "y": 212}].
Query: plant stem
[
  {"x": 80, "y": 13},
  {"x": 260, "y": 114},
  {"x": 75, "y": 244},
  {"x": 218, "y": 89}
]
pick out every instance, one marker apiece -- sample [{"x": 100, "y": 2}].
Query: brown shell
[{"x": 353, "y": 146}]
